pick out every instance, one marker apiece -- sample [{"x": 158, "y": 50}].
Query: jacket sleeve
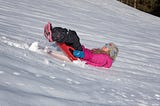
[
  {"x": 109, "y": 62},
  {"x": 87, "y": 53}
]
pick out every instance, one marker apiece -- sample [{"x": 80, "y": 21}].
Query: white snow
[
  {"x": 34, "y": 47},
  {"x": 29, "y": 77}
]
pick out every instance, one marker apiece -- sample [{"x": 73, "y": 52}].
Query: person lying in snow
[{"x": 101, "y": 57}]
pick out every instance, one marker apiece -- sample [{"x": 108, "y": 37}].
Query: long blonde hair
[
  {"x": 109, "y": 52},
  {"x": 99, "y": 51}
]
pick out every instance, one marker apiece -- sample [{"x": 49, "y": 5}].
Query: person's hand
[{"x": 79, "y": 54}]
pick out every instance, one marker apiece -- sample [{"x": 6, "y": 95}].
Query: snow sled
[{"x": 67, "y": 50}]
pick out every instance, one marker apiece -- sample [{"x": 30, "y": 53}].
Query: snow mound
[{"x": 34, "y": 47}]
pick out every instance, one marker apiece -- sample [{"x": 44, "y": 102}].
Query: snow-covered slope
[{"x": 29, "y": 77}]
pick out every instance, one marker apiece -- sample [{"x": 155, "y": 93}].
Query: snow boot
[{"x": 48, "y": 32}]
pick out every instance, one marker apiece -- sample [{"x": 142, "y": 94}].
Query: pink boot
[{"x": 48, "y": 32}]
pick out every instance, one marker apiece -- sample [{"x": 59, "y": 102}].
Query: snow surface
[{"x": 29, "y": 77}]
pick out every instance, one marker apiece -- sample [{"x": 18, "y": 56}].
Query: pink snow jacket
[{"x": 100, "y": 60}]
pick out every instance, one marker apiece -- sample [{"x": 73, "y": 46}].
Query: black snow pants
[{"x": 69, "y": 37}]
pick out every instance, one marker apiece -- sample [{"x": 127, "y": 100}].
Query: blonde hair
[
  {"x": 100, "y": 51},
  {"x": 116, "y": 54}
]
